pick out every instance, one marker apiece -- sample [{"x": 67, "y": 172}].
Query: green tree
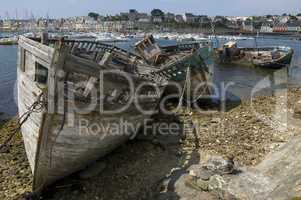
[
  {"x": 157, "y": 13},
  {"x": 292, "y": 17},
  {"x": 269, "y": 16},
  {"x": 93, "y": 15}
]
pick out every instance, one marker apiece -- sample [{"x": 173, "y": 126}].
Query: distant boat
[
  {"x": 9, "y": 41},
  {"x": 265, "y": 57}
]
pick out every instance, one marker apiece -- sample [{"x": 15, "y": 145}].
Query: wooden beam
[
  {"x": 44, "y": 38},
  {"x": 38, "y": 50},
  {"x": 82, "y": 66}
]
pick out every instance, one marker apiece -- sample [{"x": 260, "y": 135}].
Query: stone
[
  {"x": 93, "y": 170},
  {"x": 216, "y": 120},
  {"x": 216, "y": 182},
  {"x": 297, "y": 110},
  {"x": 192, "y": 173},
  {"x": 205, "y": 175},
  {"x": 218, "y": 165},
  {"x": 203, "y": 185}
]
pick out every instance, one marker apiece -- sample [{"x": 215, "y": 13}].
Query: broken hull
[
  {"x": 197, "y": 80},
  {"x": 61, "y": 142},
  {"x": 276, "y": 63}
]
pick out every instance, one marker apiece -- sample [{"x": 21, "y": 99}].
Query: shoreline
[{"x": 134, "y": 170}]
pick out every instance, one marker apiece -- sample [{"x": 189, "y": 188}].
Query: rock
[
  {"x": 192, "y": 173},
  {"x": 215, "y": 120},
  {"x": 205, "y": 175},
  {"x": 297, "y": 110},
  {"x": 93, "y": 170},
  {"x": 216, "y": 182},
  {"x": 191, "y": 182},
  {"x": 218, "y": 165},
  {"x": 203, "y": 185}
]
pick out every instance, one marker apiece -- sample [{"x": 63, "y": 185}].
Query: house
[
  {"x": 42, "y": 24},
  {"x": 266, "y": 28},
  {"x": 179, "y": 18},
  {"x": 124, "y": 16},
  {"x": 190, "y": 18},
  {"x": 157, "y": 19},
  {"x": 280, "y": 28},
  {"x": 169, "y": 17},
  {"x": 248, "y": 26},
  {"x": 283, "y": 19},
  {"x": 133, "y": 15},
  {"x": 144, "y": 18},
  {"x": 66, "y": 24},
  {"x": 204, "y": 19},
  {"x": 294, "y": 26},
  {"x": 115, "y": 26}
]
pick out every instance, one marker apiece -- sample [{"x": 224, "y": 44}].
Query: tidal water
[
  {"x": 8, "y": 62},
  {"x": 243, "y": 79}
]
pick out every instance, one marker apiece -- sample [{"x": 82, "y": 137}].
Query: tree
[
  {"x": 157, "y": 13},
  {"x": 299, "y": 15},
  {"x": 269, "y": 16},
  {"x": 293, "y": 18},
  {"x": 284, "y": 14},
  {"x": 93, "y": 15}
]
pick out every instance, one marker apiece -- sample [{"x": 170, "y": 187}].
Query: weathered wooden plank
[
  {"x": 46, "y": 56},
  {"x": 44, "y": 38},
  {"x": 90, "y": 86},
  {"x": 80, "y": 65},
  {"x": 38, "y": 49}
]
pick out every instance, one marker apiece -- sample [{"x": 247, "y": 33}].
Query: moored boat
[{"x": 265, "y": 57}]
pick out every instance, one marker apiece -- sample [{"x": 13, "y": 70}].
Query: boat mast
[{"x": 213, "y": 31}]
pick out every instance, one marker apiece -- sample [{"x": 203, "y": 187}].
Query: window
[
  {"x": 22, "y": 59},
  {"x": 41, "y": 74}
]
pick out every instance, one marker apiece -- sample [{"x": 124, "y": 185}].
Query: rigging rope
[{"x": 36, "y": 107}]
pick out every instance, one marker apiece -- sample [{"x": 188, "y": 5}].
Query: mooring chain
[{"x": 36, "y": 107}]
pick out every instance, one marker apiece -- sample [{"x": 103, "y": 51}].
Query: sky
[{"x": 66, "y": 8}]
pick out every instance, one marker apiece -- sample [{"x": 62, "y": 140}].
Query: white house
[
  {"x": 284, "y": 19},
  {"x": 266, "y": 28},
  {"x": 157, "y": 19},
  {"x": 190, "y": 18},
  {"x": 248, "y": 26},
  {"x": 179, "y": 18}
]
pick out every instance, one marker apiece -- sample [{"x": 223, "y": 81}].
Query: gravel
[{"x": 135, "y": 170}]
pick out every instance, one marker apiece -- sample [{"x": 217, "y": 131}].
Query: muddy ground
[{"x": 136, "y": 169}]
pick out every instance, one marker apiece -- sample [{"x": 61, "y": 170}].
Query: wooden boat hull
[
  {"x": 62, "y": 141},
  {"x": 242, "y": 59},
  {"x": 278, "y": 63},
  {"x": 199, "y": 77}
]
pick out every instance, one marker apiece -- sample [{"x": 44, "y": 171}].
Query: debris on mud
[{"x": 156, "y": 168}]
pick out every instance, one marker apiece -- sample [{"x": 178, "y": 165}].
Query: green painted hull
[
  {"x": 199, "y": 74},
  {"x": 281, "y": 62}
]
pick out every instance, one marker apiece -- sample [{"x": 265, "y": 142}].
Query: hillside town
[{"x": 134, "y": 20}]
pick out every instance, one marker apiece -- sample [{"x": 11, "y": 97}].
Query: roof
[{"x": 294, "y": 24}]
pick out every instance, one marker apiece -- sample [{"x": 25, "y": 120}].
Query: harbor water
[{"x": 243, "y": 79}]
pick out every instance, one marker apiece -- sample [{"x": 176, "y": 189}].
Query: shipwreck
[
  {"x": 59, "y": 80},
  {"x": 265, "y": 57}
]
